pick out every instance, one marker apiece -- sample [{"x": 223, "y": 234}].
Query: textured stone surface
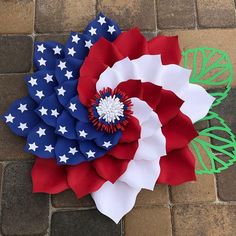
[
  {"x": 190, "y": 39},
  {"x": 89, "y": 222},
  {"x": 175, "y": 14},
  {"x": 129, "y": 14},
  {"x": 61, "y": 38},
  {"x": 149, "y": 221},
  {"x": 60, "y": 15},
  {"x": 23, "y": 213},
  {"x": 15, "y": 54},
  {"x": 195, "y": 220},
  {"x": 226, "y": 184},
  {"x": 69, "y": 199},
  {"x": 12, "y": 87},
  {"x": 16, "y": 16},
  {"x": 203, "y": 190},
  {"x": 216, "y": 13},
  {"x": 158, "y": 196}
]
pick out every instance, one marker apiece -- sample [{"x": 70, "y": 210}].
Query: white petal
[
  {"x": 197, "y": 102},
  {"x": 148, "y": 67},
  {"x": 151, "y": 148},
  {"x": 109, "y": 78},
  {"x": 127, "y": 69},
  {"x": 141, "y": 110},
  {"x": 150, "y": 125},
  {"x": 141, "y": 174},
  {"x": 115, "y": 200}
]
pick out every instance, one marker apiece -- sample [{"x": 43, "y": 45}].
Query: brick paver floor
[{"x": 207, "y": 207}]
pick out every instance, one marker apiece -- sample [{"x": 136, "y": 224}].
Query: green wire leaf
[
  {"x": 220, "y": 153},
  {"x": 210, "y": 68}
]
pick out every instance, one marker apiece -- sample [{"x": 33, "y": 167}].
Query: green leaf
[
  {"x": 211, "y": 68},
  {"x": 215, "y": 147}
]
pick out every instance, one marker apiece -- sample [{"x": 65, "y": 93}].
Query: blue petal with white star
[
  {"x": 86, "y": 131},
  {"x": 108, "y": 141},
  {"x": 53, "y": 119},
  {"x": 67, "y": 69},
  {"x": 66, "y": 91},
  {"x": 90, "y": 150},
  {"x": 41, "y": 84},
  {"x": 102, "y": 27},
  {"x": 68, "y": 152},
  {"x": 66, "y": 125},
  {"x": 78, "y": 110},
  {"x": 49, "y": 110},
  {"x": 78, "y": 45},
  {"x": 46, "y": 54},
  {"x": 21, "y": 117},
  {"x": 41, "y": 141}
]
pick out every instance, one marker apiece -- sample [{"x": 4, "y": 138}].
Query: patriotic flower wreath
[{"x": 108, "y": 114}]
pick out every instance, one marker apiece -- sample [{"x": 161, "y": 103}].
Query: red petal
[
  {"x": 83, "y": 179},
  {"x": 110, "y": 168},
  {"x": 48, "y": 177},
  {"x": 168, "y": 47},
  {"x": 179, "y": 132},
  {"x": 151, "y": 94},
  {"x": 132, "y": 44},
  {"x": 177, "y": 167},
  {"x": 168, "y": 106},
  {"x": 132, "y": 131},
  {"x": 132, "y": 88},
  {"x": 92, "y": 67},
  {"x": 106, "y": 52},
  {"x": 86, "y": 89},
  {"x": 124, "y": 150}
]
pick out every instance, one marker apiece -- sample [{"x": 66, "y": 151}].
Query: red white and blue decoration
[{"x": 108, "y": 114}]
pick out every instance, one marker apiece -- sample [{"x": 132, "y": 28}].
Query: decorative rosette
[{"x": 108, "y": 114}]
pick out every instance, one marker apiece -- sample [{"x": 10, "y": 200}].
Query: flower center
[{"x": 110, "y": 110}]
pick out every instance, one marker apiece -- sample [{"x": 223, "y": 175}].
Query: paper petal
[{"x": 115, "y": 200}]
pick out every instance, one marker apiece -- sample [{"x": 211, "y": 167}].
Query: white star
[
  {"x": 82, "y": 133},
  {"x": 62, "y": 65},
  {"x": 75, "y": 38},
  {"x": 41, "y": 132},
  {"x": 68, "y": 74},
  {"x": 72, "y": 106},
  {"x": 111, "y": 29},
  {"x": 61, "y": 91},
  {"x": 32, "y": 146},
  {"x": 88, "y": 44},
  {"x": 48, "y": 78},
  {"x": 41, "y": 48},
  {"x": 57, "y": 50},
  {"x": 22, "y": 107},
  {"x": 90, "y": 153},
  {"x": 42, "y": 62},
  {"x": 107, "y": 144},
  {"x": 9, "y": 118},
  {"x": 101, "y": 20},
  {"x": 48, "y": 148},
  {"x": 23, "y": 126},
  {"x": 73, "y": 150},
  {"x": 33, "y": 81},
  {"x": 39, "y": 94},
  {"x": 63, "y": 158},
  {"x": 92, "y": 31},
  {"x": 62, "y": 129},
  {"x": 43, "y": 111},
  {"x": 71, "y": 51},
  {"x": 54, "y": 113}
]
